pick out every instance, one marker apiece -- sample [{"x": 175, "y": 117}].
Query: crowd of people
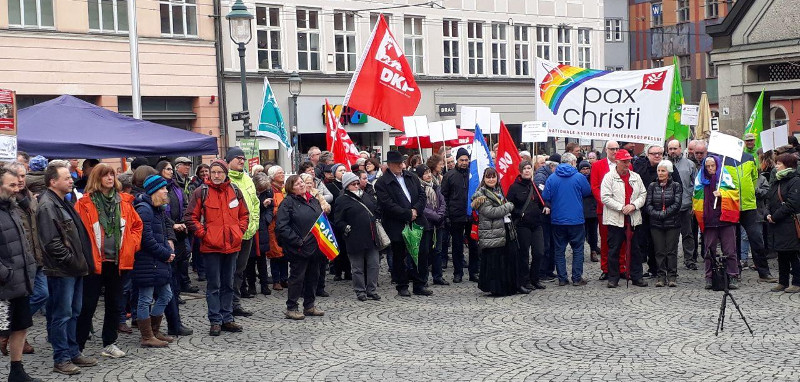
[{"x": 70, "y": 234}]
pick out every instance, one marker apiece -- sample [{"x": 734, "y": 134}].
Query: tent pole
[{"x": 133, "y": 41}]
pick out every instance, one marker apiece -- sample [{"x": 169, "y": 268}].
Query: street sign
[{"x": 240, "y": 115}]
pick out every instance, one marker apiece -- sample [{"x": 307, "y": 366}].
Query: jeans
[
  {"x": 40, "y": 292},
  {"x": 126, "y": 301},
  {"x": 531, "y": 245},
  {"x": 548, "y": 262},
  {"x": 241, "y": 265},
  {"x": 665, "y": 242},
  {"x": 365, "y": 266},
  {"x": 219, "y": 289},
  {"x": 744, "y": 244},
  {"x": 688, "y": 237},
  {"x": 617, "y": 240},
  {"x": 64, "y": 307},
  {"x": 458, "y": 233},
  {"x": 726, "y": 236},
  {"x": 575, "y": 235},
  {"x": 280, "y": 269},
  {"x": 163, "y": 294},
  {"x": 788, "y": 263},
  {"x": 109, "y": 280},
  {"x": 303, "y": 281},
  {"x": 748, "y": 220},
  {"x": 198, "y": 261},
  {"x": 438, "y": 255}
]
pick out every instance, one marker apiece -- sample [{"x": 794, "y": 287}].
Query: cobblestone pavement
[{"x": 568, "y": 333}]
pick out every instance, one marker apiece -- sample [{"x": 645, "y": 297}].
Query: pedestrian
[
  {"x": 258, "y": 256},
  {"x": 564, "y": 192},
  {"x": 599, "y": 171},
  {"x": 590, "y": 214},
  {"x": 277, "y": 261},
  {"x": 547, "y": 265},
  {"x": 296, "y": 217},
  {"x": 496, "y": 237},
  {"x": 401, "y": 200},
  {"x": 716, "y": 205},
  {"x": 434, "y": 215},
  {"x": 34, "y": 179},
  {"x": 151, "y": 267},
  {"x": 623, "y": 194},
  {"x": 356, "y": 213},
  {"x": 455, "y": 187},
  {"x": 112, "y": 221},
  {"x": 67, "y": 259},
  {"x": 180, "y": 181},
  {"x": 529, "y": 206},
  {"x": 17, "y": 273},
  {"x": 784, "y": 204},
  {"x": 663, "y": 204},
  {"x": 218, "y": 216},
  {"x": 687, "y": 171},
  {"x": 373, "y": 169}
]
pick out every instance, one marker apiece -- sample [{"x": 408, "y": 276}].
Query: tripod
[{"x": 727, "y": 294}]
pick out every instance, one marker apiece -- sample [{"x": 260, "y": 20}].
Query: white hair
[
  {"x": 569, "y": 158},
  {"x": 272, "y": 171},
  {"x": 667, "y": 165}
]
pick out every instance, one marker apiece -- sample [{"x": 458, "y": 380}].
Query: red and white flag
[
  {"x": 507, "y": 159},
  {"x": 339, "y": 142},
  {"x": 383, "y": 85}
]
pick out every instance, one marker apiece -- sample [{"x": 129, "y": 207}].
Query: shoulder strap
[
  {"x": 362, "y": 204},
  {"x": 779, "y": 194},
  {"x": 528, "y": 199}
]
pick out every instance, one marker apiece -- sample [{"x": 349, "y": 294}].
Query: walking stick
[{"x": 628, "y": 238}]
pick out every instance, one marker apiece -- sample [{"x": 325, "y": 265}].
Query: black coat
[
  {"x": 455, "y": 187},
  {"x": 782, "y": 233},
  {"x": 663, "y": 204},
  {"x": 518, "y": 194},
  {"x": 17, "y": 265},
  {"x": 296, "y": 217},
  {"x": 67, "y": 251},
  {"x": 150, "y": 266},
  {"x": 264, "y": 220},
  {"x": 395, "y": 207},
  {"x": 336, "y": 189},
  {"x": 350, "y": 213}
]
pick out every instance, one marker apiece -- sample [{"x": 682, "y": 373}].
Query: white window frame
[
  {"x": 544, "y": 42},
  {"x": 712, "y": 9},
  {"x": 311, "y": 32},
  {"x": 584, "y": 48},
  {"x": 116, "y": 10},
  {"x": 499, "y": 47},
  {"x": 38, "y": 25},
  {"x": 451, "y": 46},
  {"x": 346, "y": 32},
  {"x": 564, "y": 45},
  {"x": 613, "y": 30},
  {"x": 415, "y": 40},
  {"x": 185, "y": 5},
  {"x": 373, "y": 19},
  {"x": 476, "y": 44},
  {"x": 522, "y": 50},
  {"x": 683, "y": 11},
  {"x": 269, "y": 29}
]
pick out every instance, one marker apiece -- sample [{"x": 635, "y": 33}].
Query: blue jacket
[
  {"x": 150, "y": 267},
  {"x": 564, "y": 191}
]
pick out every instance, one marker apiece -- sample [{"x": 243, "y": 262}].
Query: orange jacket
[{"x": 131, "y": 230}]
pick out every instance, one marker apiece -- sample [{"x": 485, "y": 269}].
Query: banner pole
[{"x": 719, "y": 181}]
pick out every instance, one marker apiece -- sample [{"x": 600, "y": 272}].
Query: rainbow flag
[
  {"x": 323, "y": 231},
  {"x": 561, "y": 80}
]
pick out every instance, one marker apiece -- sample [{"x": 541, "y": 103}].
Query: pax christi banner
[
  {"x": 323, "y": 232},
  {"x": 629, "y": 106},
  {"x": 339, "y": 142},
  {"x": 383, "y": 85},
  {"x": 507, "y": 158}
]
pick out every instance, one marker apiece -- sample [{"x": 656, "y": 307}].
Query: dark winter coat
[
  {"x": 34, "y": 182},
  {"x": 296, "y": 216},
  {"x": 17, "y": 265},
  {"x": 435, "y": 214},
  {"x": 361, "y": 235},
  {"x": 65, "y": 242},
  {"x": 150, "y": 266},
  {"x": 782, "y": 233},
  {"x": 264, "y": 220},
  {"x": 336, "y": 189},
  {"x": 28, "y": 205},
  {"x": 455, "y": 187},
  {"x": 395, "y": 207},
  {"x": 663, "y": 204},
  {"x": 649, "y": 173},
  {"x": 518, "y": 193},
  {"x": 762, "y": 197}
]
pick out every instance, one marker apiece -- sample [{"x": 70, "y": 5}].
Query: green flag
[
  {"x": 674, "y": 127},
  {"x": 755, "y": 124}
]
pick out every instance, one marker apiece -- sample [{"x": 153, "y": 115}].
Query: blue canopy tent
[{"x": 67, "y": 127}]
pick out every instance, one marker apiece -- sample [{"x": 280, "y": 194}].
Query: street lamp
[
  {"x": 295, "y": 86},
  {"x": 239, "y": 20}
]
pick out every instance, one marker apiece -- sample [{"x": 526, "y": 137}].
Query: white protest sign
[
  {"x": 585, "y": 142},
  {"x": 437, "y": 131},
  {"x": 449, "y": 129},
  {"x": 773, "y": 138},
  {"x": 629, "y": 106},
  {"x": 8, "y": 147},
  {"x": 416, "y": 126},
  {"x": 534, "y": 131},
  {"x": 689, "y": 114},
  {"x": 471, "y": 115},
  {"x": 494, "y": 124},
  {"x": 714, "y": 126},
  {"x": 725, "y": 145}
]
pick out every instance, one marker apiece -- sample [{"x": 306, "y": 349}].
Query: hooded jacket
[
  {"x": 130, "y": 223},
  {"x": 248, "y": 188},
  {"x": 564, "y": 191},
  {"x": 492, "y": 210},
  {"x": 745, "y": 177},
  {"x": 455, "y": 187},
  {"x": 297, "y": 214},
  {"x": 782, "y": 233},
  {"x": 221, "y": 221}
]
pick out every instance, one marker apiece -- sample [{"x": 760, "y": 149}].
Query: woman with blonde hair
[{"x": 311, "y": 187}]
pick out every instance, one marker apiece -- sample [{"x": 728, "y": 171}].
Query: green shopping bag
[{"x": 412, "y": 235}]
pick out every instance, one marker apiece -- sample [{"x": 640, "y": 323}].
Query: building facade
[
  {"x": 81, "y": 48},
  {"x": 617, "y": 49},
  {"x": 463, "y": 52}
]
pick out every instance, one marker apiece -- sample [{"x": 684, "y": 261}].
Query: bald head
[
  {"x": 611, "y": 150},
  {"x": 674, "y": 149}
]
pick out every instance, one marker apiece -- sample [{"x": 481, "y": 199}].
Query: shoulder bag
[
  {"x": 794, "y": 216},
  {"x": 381, "y": 238}
]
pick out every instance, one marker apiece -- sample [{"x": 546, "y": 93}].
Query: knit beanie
[
  {"x": 233, "y": 152},
  {"x": 153, "y": 183},
  {"x": 219, "y": 163},
  {"x": 38, "y": 163},
  {"x": 348, "y": 178},
  {"x": 420, "y": 170},
  {"x": 584, "y": 164},
  {"x": 461, "y": 152}
]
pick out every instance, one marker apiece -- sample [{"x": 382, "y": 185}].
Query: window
[
  {"x": 413, "y": 42},
  {"x": 373, "y": 19},
  {"x": 613, "y": 30},
  {"x": 475, "y": 47},
  {"x": 685, "y": 63},
  {"x": 307, "y": 39},
  {"x": 108, "y": 15},
  {"x": 30, "y": 13},
  {"x": 451, "y": 53},
  {"x": 522, "y": 49},
  {"x": 657, "y": 18},
  {"x": 344, "y": 26},
  {"x": 564, "y": 45},
  {"x": 711, "y": 68},
  {"x": 584, "y": 48},
  {"x": 268, "y": 31},
  {"x": 712, "y": 9},
  {"x": 179, "y": 17},
  {"x": 683, "y": 11},
  {"x": 543, "y": 42},
  {"x": 499, "y": 53},
  {"x": 657, "y": 63}
]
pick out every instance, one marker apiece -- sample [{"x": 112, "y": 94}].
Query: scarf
[
  {"x": 430, "y": 193},
  {"x": 108, "y": 213},
  {"x": 782, "y": 173}
]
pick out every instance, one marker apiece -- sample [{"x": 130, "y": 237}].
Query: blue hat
[
  {"x": 38, "y": 163},
  {"x": 153, "y": 183}
]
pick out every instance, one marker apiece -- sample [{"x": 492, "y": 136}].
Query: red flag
[
  {"x": 507, "y": 159},
  {"x": 340, "y": 144},
  {"x": 383, "y": 85}
]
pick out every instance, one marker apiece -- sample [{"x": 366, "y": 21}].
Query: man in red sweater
[{"x": 599, "y": 169}]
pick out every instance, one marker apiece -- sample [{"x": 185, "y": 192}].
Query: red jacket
[
  {"x": 221, "y": 221},
  {"x": 599, "y": 170}
]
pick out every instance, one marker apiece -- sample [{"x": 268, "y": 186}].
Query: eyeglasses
[
  {"x": 612, "y": 148},
  {"x": 168, "y": 169},
  {"x": 239, "y": 158},
  {"x": 656, "y": 154}
]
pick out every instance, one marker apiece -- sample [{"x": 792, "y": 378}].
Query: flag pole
[{"x": 719, "y": 181}]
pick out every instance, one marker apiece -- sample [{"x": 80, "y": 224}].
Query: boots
[
  {"x": 156, "y": 325},
  {"x": 148, "y": 341},
  {"x": 17, "y": 373}
]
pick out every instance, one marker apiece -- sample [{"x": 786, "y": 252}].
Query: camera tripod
[{"x": 726, "y": 295}]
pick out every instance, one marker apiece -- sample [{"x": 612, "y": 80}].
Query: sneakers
[
  {"x": 66, "y": 368},
  {"x": 231, "y": 327},
  {"x": 374, "y": 296},
  {"x": 563, "y": 283},
  {"x": 314, "y": 311},
  {"x": 84, "y": 361},
  {"x": 294, "y": 315},
  {"x": 733, "y": 283},
  {"x": 767, "y": 279},
  {"x": 792, "y": 289},
  {"x": 580, "y": 282},
  {"x": 239, "y": 311},
  {"x": 778, "y": 288},
  {"x": 112, "y": 351}
]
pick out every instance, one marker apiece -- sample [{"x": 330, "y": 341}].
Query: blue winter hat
[
  {"x": 38, "y": 163},
  {"x": 154, "y": 183}
]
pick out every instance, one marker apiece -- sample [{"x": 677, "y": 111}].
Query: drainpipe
[{"x": 220, "y": 58}]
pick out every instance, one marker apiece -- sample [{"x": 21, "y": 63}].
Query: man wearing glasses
[{"x": 600, "y": 168}]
